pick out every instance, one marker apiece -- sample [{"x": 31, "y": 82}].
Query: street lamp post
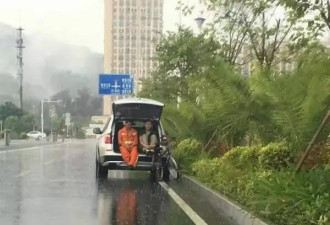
[
  {"x": 200, "y": 19},
  {"x": 42, "y": 113}
]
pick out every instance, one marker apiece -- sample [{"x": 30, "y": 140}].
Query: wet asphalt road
[
  {"x": 18, "y": 144},
  {"x": 56, "y": 185}
]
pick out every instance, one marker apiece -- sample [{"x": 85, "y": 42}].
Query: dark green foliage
[
  {"x": 9, "y": 109},
  {"x": 277, "y": 195},
  {"x": 291, "y": 199},
  {"x": 243, "y": 157},
  {"x": 80, "y": 134},
  {"x": 266, "y": 118},
  {"x": 23, "y": 135},
  {"x": 275, "y": 156},
  {"x": 187, "y": 152}
]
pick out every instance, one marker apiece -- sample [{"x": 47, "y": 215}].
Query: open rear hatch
[{"x": 137, "y": 109}]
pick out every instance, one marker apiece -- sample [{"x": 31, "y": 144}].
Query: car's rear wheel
[
  {"x": 157, "y": 171},
  {"x": 101, "y": 171}
]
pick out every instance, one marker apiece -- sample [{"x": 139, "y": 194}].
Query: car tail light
[
  {"x": 108, "y": 139},
  {"x": 164, "y": 140}
]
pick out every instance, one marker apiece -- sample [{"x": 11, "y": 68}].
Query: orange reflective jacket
[{"x": 128, "y": 137}]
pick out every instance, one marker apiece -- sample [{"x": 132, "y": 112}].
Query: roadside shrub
[
  {"x": 243, "y": 156},
  {"x": 275, "y": 156},
  {"x": 14, "y": 135},
  {"x": 225, "y": 177},
  {"x": 2, "y": 135},
  {"x": 23, "y": 135},
  {"x": 80, "y": 134},
  {"x": 206, "y": 170},
  {"x": 187, "y": 152},
  {"x": 233, "y": 155},
  {"x": 270, "y": 188},
  {"x": 290, "y": 199}
]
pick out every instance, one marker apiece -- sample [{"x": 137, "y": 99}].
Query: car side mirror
[{"x": 97, "y": 130}]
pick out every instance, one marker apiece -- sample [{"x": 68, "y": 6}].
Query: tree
[
  {"x": 25, "y": 123},
  {"x": 58, "y": 124},
  {"x": 9, "y": 109},
  {"x": 11, "y": 123},
  {"x": 256, "y": 25},
  {"x": 84, "y": 105},
  {"x": 269, "y": 107},
  {"x": 230, "y": 32},
  {"x": 318, "y": 10},
  {"x": 181, "y": 56},
  {"x": 66, "y": 104}
]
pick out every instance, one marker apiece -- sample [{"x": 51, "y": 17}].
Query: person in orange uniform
[{"x": 128, "y": 142}]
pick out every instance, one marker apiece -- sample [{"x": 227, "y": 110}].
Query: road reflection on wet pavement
[{"x": 57, "y": 185}]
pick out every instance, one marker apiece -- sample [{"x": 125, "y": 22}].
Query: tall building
[{"x": 131, "y": 29}]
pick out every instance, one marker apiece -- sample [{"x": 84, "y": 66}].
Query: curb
[{"x": 238, "y": 215}]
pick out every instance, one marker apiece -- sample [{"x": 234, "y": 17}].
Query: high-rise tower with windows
[{"x": 132, "y": 27}]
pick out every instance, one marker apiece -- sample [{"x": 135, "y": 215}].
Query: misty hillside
[{"x": 49, "y": 66}]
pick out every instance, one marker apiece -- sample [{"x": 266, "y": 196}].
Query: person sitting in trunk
[
  {"x": 149, "y": 139},
  {"x": 128, "y": 142}
]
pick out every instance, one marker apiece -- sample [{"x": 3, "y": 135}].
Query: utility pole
[{"x": 20, "y": 47}]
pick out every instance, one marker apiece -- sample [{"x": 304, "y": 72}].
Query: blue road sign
[{"x": 116, "y": 84}]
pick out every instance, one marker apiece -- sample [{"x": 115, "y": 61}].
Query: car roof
[{"x": 138, "y": 101}]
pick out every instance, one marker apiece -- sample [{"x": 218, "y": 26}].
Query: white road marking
[
  {"x": 24, "y": 173},
  {"x": 31, "y": 148},
  {"x": 183, "y": 205},
  {"x": 49, "y": 162}
]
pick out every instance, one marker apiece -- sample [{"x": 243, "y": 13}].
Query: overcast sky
[{"x": 78, "y": 22}]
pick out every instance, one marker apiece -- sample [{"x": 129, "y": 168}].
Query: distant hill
[{"x": 49, "y": 66}]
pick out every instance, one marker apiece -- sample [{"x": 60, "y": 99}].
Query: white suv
[{"x": 108, "y": 156}]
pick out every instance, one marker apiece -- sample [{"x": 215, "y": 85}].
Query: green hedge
[
  {"x": 14, "y": 135},
  {"x": 243, "y": 156},
  {"x": 275, "y": 156},
  {"x": 261, "y": 179},
  {"x": 224, "y": 177},
  {"x": 23, "y": 135},
  {"x": 187, "y": 152}
]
